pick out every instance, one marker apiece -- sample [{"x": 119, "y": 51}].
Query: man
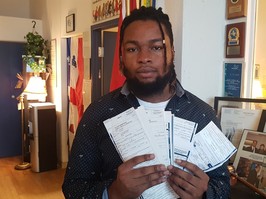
[
  {"x": 95, "y": 169},
  {"x": 252, "y": 148},
  {"x": 261, "y": 149}
]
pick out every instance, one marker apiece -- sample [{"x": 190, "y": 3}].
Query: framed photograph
[
  {"x": 70, "y": 23},
  {"x": 233, "y": 78},
  {"x": 250, "y": 161},
  {"x": 235, "y": 40},
  {"x": 237, "y": 114}
]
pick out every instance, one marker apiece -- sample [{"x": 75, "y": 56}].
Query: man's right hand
[{"x": 132, "y": 182}]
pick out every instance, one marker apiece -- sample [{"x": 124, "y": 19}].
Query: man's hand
[
  {"x": 132, "y": 182},
  {"x": 188, "y": 185}
]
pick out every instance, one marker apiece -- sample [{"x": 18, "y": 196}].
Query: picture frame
[
  {"x": 237, "y": 102},
  {"x": 236, "y": 9},
  {"x": 262, "y": 123},
  {"x": 70, "y": 23},
  {"x": 250, "y": 165},
  {"x": 236, "y": 114},
  {"x": 233, "y": 79}
]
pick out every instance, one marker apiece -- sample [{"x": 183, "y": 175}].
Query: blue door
[{"x": 10, "y": 121}]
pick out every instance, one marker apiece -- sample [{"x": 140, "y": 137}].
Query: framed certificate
[
  {"x": 235, "y": 40},
  {"x": 233, "y": 75},
  {"x": 236, "y": 8}
]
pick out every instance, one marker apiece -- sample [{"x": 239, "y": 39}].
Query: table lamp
[{"x": 35, "y": 90}]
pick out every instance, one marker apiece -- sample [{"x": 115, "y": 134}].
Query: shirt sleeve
[{"x": 84, "y": 172}]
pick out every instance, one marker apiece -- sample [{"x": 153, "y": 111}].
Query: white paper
[
  {"x": 130, "y": 139},
  {"x": 129, "y": 136},
  {"x": 210, "y": 148},
  {"x": 182, "y": 135},
  {"x": 154, "y": 124},
  {"x": 140, "y": 131}
]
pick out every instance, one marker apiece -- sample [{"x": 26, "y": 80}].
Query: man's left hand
[{"x": 191, "y": 184}]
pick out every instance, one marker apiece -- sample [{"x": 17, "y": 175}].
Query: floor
[{"x": 25, "y": 184}]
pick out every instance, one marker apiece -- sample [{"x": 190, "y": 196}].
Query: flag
[
  {"x": 76, "y": 74},
  {"x": 117, "y": 79}
]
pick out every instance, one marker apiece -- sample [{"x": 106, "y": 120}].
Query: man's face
[
  {"x": 143, "y": 61},
  {"x": 254, "y": 143}
]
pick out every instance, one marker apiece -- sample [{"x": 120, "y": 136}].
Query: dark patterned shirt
[{"x": 93, "y": 162}]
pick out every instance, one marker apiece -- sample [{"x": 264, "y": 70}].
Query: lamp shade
[{"x": 36, "y": 89}]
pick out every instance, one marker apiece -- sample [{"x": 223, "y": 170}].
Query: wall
[
  {"x": 15, "y": 8},
  {"x": 203, "y": 47},
  {"x": 260, "y": 44},
  {"x": 14, "y": 29}
]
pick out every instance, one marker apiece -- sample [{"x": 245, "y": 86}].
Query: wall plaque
[
  {"x": 236, "y": 8},
  {"x": 235, "y": 40}
]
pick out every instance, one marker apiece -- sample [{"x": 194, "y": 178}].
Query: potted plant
[{"x": 36, "y": 52}]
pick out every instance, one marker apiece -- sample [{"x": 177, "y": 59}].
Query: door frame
[{"x": 95, "y": 64}]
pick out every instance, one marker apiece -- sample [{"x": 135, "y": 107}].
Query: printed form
[
  {"x": 130, "y": 140},
  {"x": 138, "y": 131}
]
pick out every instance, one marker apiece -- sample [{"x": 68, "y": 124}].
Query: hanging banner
[{"x": 105, "y": 9}]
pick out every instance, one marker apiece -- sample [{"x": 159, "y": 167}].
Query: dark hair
[{"x": 148, "y": 13}]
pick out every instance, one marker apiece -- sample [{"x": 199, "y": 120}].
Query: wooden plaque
[
  {"x": 236, "y": 8},
  {"x": 235, "y": 40}
]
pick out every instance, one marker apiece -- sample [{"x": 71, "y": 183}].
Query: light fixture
[{"x": 35, "y": 90}]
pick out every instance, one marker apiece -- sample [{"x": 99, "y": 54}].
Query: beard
[{"x": 152, "y": 88}]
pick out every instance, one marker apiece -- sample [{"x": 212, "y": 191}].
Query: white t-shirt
[{"x": 153, "y": 106}]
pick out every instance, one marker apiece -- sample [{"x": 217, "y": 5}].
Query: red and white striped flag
[{"x": 75, "y": 83}]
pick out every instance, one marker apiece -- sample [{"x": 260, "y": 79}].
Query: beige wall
[
  {"x": 15, "y": 8},
  {"x": 260, "y": 43}
]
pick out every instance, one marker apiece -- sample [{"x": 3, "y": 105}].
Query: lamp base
[{"x": 23, "y": 166}]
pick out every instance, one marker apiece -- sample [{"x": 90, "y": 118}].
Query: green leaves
[{"x": 36, "y": 48}]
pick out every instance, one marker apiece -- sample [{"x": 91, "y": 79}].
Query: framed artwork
[
  {"x": 250, "y": 161},
  {"x": 233, "y": 78},
  {"x": 236, "y": 8},
  {"x": 70, "y": 23}
]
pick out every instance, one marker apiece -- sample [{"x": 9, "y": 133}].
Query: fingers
[
  {"x": 151, "y": 175},
  {"x": 128, "y": 165},
  {"x": 133, "y": 181},
  {"x": 192, "y": 168},
  {"x": 191, "y": 183}
]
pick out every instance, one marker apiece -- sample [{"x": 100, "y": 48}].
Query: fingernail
[
  {"x": 178, "y": 161},
  {"x": 152, "y": 156}
]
